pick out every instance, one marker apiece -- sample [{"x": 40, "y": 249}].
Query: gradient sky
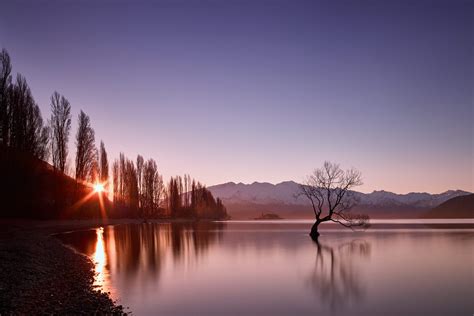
[{"x": 262, "y": 90}]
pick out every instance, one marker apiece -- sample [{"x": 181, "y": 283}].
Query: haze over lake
[{"x": 273, "y": 268}]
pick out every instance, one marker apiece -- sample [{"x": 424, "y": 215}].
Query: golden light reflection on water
[{"x": 100, "y": 258}]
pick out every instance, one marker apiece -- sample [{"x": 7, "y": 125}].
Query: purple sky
[{"x": 262, "y": 90}]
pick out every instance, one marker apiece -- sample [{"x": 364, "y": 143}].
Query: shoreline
[{"x": 41, "y": 275}]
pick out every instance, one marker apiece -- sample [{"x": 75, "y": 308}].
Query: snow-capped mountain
[
  {"x": 258, "y": 192},
  {"x": 284, "y": 195},
  {"x": 412, "y": 199}
]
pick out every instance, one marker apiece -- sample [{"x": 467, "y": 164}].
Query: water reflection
[
  {"x": 335, "y": 277},
  {"x": 143, "y": 249},
  {"x": 275, "y": 269},
  {"x": 100, "y": 258},
  {"x": 132, "y": 254}
]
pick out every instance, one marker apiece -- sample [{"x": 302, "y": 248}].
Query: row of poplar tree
[
  {"x": 138, "y": 189},
  {"x": 139, "y": 186}
]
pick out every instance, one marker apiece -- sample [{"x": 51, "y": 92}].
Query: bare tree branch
[{"x": 329, "y": 190}]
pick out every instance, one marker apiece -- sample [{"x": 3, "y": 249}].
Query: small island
[{"x": 268, "y": 216}]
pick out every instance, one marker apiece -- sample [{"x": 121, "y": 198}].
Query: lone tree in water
[{"x": 329, "y": 191}]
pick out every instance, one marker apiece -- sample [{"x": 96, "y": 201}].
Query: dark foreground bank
[{"x": 39, "y": 275}]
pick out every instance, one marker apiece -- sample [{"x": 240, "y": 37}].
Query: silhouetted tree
[
  {"x": 60, "y": 128},
  {"x": 23, "y": 122},
  {"x": 94, "y": 174},
  {"x": 137, "y": 189},
  {"x": 329, "y": 191},
  {"x": 121, "y": 177},
  {"x": 104, "y": 164},
  {"x": 193, "y": 195},
  {"x": 5, "y": 83},
  {"x": 125, "y": 183},
  {"x": 86, "y": 154},
  {"x": 186, "y": 189},
  {"x": 174, "y": 200},
  {"x": 130, "y": 183},
  {"x": 153, "y": 188},
  {"x": 115, "y": 181},
  {"x": 37, "y": 135},
  {"x": 201, "y": 205},
  {"x": 140, "y": 191},
  {"x": 139, "y": 178}
]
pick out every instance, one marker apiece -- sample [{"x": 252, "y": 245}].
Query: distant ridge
[
  {"x": 457, "y": 207},
  {"x": 250, "y": 200}
]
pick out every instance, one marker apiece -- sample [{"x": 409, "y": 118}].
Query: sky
[{"x": 264, "y": 91}]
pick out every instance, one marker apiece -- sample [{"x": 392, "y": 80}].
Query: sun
[{"x": 99, "y": 187}]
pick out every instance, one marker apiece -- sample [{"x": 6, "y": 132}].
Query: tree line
[{"x": 137, "y": 187}]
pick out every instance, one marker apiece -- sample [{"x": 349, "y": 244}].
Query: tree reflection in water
[
  {"x": 141, "y": 250},
  {"x": 335, "y": 277}
]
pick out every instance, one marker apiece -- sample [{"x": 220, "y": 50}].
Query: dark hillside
[
  {"x": 458, "y": 207},
  {"x": 31, "y": 188}
]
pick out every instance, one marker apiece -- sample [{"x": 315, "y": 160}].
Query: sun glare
[{"x": 98, "y": 187}]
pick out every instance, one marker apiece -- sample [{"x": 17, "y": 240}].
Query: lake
[{"x": 274, "y": 268}]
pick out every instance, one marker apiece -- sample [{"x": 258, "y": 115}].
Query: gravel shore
[{"x": 39, "y": 275}]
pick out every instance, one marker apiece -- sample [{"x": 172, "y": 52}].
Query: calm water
[{"x": 273, "y": 268}]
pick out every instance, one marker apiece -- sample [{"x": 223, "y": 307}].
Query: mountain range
[{"x": 245, "y": 201}]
